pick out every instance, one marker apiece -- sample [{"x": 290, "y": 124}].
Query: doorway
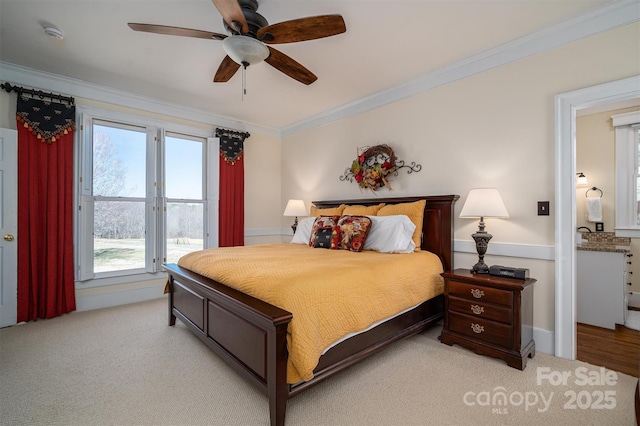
[
  {"x": 565, "y": 198},
  {"x": 8, "y": 226}
]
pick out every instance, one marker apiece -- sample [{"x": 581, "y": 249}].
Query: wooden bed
[{"x": 251, "y": 335}]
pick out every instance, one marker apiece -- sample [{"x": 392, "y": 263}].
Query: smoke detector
[{"x": 54, "y": 33}]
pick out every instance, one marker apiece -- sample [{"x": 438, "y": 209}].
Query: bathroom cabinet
[{"x": 601, "y": 288}]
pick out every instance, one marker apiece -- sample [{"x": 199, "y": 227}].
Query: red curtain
[
  {"x": 45, "y": 206},
  {"x": 231, "y": 208}
]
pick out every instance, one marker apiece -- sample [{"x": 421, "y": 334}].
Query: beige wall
[
  {"x": 595, "y": 157},
  {"x": 492, "y": 129}
]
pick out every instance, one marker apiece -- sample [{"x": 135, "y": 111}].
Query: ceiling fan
[{"x": 250, "y": 35}]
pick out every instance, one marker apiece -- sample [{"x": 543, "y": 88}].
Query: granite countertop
[
  {"x": 587, "y": 246},
  {"x": 603, "y": 241}
]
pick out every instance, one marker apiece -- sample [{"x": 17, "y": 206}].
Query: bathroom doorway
[{"x": 565, "y": 197}]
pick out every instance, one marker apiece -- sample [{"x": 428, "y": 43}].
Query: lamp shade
[
  {"x": 581, "y": 180},
  {"x": 243, "y": 49},
  {"x": 484, "y": 202},
  {"x": 295, "y": 208}
]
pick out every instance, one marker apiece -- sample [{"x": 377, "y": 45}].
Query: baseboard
[
  {"x": 117, "y": 295},
  {"x": 545, "y": 341}
]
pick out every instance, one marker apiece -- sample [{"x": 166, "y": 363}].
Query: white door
[{"x": 8, "y": 226}]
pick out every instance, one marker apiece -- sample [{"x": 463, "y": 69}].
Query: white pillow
[
  {"x": 391, "y": 234},
  {"x": 303, "y": 231}
]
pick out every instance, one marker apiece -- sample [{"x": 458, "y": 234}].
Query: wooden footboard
[
  {"x": 247, "y": 333},
  {"x": 251, "y": 335}
]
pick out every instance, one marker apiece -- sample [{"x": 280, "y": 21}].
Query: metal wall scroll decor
[{"x": 373, "y": 167}]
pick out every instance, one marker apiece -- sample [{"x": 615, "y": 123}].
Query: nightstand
[{"x": 490, "y": 315}]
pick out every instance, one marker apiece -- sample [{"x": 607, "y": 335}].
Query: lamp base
[
  {"x": 295, "y": 225},
  {"x": 480, "y": 268},
  {"x": 482, "y": 241}
]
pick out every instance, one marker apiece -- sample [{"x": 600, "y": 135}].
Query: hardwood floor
[{"x": 618, "y": 349}]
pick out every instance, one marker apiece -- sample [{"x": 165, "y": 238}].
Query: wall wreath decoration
[{"x": 373, "y": 166}]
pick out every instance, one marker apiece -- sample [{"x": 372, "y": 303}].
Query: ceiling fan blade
[
  {"x": 302, "y": 29},
  {"x": 293, "y": 69},
  {"x": 176, "y": 31},
  {"x": 231, "y": 12},
  {"x": 226, "y": 70}
]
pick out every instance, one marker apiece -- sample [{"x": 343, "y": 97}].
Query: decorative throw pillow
[
  {"x": 330, "y": 222},
  {"x": 358, "y": 210},
  {"x": 414, "y": 210},
  {"x": 324, "y": 238},
  {"x": 303, "y": 231},
  {"x": 353, "y": 232},
  {"x": 333, "y": 211}
]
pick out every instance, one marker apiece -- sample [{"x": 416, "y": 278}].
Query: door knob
[{"x": 8, "y": 237}]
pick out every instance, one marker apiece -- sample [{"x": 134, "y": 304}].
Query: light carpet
[
  {"x": 125, "y": 366},
  {"x": 633, "y": 320}
]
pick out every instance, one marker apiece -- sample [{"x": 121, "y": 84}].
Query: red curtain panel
[
  {"x": 45, "y": 206},
  {"x": 231, "y": 207}
]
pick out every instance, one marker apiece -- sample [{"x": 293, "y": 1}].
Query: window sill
[{"x": 123, "y": 279}]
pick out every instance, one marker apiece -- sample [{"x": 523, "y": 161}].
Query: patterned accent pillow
[
  {"x": 353, "y": 232},
  {"x": 324, "y": 238},
  {"x": 330, "y": 222}
]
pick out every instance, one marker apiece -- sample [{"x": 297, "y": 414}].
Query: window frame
[
  {"x": 155, "y": 201},
  {"x": 626, "y": 171}
]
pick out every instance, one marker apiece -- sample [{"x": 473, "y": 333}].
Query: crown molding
[
  {"x": 20, "y": 75},
  {"x": 605, "y": 18}
]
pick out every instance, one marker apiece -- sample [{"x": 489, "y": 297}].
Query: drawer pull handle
[
  {"x": 476, "y": 309},
  {"x": 477, "y": 293},
  {"x": 477, "y": 328}
]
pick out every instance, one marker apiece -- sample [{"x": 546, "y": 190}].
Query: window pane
[
  {"x": 183, "y": 166},
  {"x": 185, "y": 229},
  {"x": 118, "y": 235},
  {"x": 119, "y": 159}
]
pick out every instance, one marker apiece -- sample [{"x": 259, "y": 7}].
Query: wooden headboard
[{"x": 437, "y": 225}]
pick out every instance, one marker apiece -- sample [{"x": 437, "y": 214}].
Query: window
[
  {"x": 119, "y": 197},
  {"x": 627, "y": 173},
  {"x": 184, "y": 195},
  {"x": 146, "y": 195}
]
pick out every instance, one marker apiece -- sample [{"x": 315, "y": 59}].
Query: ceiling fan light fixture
[{"x": 243, "y": 49}]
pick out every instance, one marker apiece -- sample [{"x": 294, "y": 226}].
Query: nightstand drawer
[
  {"x": 480, "y": 293},
  {"x": 481, "y": 310},
  {"x": 479, "y": 329}
]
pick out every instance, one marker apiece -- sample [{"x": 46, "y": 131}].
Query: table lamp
[
  {"x": 295, "y": 208},
  {"x": 481, "y": 203}
]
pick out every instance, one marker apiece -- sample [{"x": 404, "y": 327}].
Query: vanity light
[{"x": 581, "y": 180}]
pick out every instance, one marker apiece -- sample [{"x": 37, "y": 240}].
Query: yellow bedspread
[{"x": 329, "y": 292}]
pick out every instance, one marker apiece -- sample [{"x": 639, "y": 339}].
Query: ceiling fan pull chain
[{"x": 244, "y": 79}]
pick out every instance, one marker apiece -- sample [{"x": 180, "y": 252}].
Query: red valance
[
  {"x": 48, "y": 121},
  {"x": 231, "y": 145}
]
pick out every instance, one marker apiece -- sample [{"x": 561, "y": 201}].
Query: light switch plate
[{"x": 543, "y": 208}]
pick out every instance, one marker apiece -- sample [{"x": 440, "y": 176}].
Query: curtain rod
[
  {"x": 33, "y": 92},
  {"x": 227, "y": 132}
]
